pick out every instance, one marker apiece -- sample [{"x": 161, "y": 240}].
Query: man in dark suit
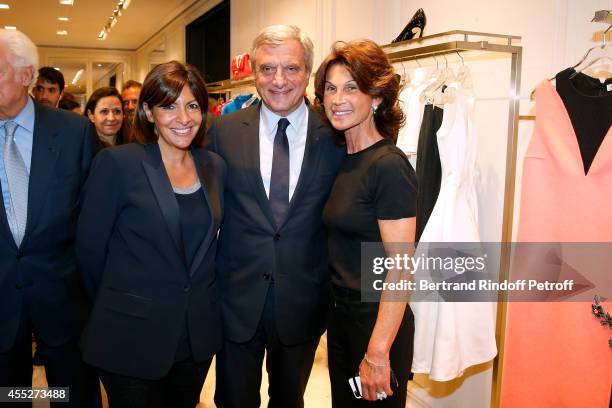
[
  {"x": 272, "y": 261},
  {"x": 45, "y": 160}
]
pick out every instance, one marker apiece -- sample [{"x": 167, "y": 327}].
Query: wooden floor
[{"x": 317, "y": 395}]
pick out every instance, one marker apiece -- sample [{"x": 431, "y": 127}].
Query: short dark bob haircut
[
  {"x": 162, "y": 87},
  {"x": 370, "y": 68}
]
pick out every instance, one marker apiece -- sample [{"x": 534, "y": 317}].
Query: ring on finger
[{"x": 381, "y": 395}]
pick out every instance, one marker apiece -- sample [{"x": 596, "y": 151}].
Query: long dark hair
[
  {"x": 92, "y": 102},
  {"x": 370, "y": 68},
  {"x": 162, "y": 86}
]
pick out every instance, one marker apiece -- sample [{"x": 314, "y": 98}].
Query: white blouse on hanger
[{"x": 408, "y": 136}]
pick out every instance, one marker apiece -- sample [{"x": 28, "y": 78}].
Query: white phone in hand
[{"x": 355, "y": 383}]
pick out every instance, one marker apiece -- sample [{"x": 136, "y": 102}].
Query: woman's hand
[
  {"x": 375, "y": 369},
  {"x": 375, "y": 376}
]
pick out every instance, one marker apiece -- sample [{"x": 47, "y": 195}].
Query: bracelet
[{"x": 365, "y": 358}]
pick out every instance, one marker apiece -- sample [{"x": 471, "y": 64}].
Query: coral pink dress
[{"x": 557, "y": 354}]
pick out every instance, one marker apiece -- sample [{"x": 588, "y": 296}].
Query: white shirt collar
[{"x": 270, "y": 119}]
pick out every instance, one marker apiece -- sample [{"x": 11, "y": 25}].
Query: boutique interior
[{"x": 507, "y": 57}]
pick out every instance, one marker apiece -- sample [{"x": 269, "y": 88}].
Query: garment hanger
[
  {"x": 440, "y": 79},
  {"x": 604, "y": 46},
  {"x": 436, "y": 93},
  {"x": 402, "y": 75},
  {"x": 419, "y": 75},
  {"x": 450, "y": 74},
  {"x": 464, "y": 76}
]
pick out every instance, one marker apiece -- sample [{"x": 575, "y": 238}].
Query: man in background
[
  {"x": 49, "y": 86},
  {"x": 129, "y": 94}
]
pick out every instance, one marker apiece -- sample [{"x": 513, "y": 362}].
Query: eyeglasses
[{"x": 289, "y": 71}]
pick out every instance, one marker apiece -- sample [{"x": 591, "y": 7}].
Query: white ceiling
[{"x": 140, "y": 21}]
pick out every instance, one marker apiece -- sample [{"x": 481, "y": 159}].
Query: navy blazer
[
  {"x": 130, "y": 254},
  {"x": 253, "y": 249},
  {"x": 41, "y": 273}
]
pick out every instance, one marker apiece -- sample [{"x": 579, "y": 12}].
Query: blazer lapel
[
  {"x": 250, "y": 146},
  {"x": 4, "y": 226},
  {"x": 45, "y": 152},
  {"x": 309, "y": 163},
  {"x": 162, "y": 190},
  {"x": 205, "y": 173}
]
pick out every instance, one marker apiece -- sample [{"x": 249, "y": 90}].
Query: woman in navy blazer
[{"x": 146, "y": 244}]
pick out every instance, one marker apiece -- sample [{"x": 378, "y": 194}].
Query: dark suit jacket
[
  {"x": 42, "y": 272},
  {"x": 129, "y": 249},
  {"x": 252, "y": 248}
]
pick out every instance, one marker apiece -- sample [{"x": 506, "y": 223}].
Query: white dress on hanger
[
  {"x": 408, "y": 136},
  {"x": 452, "y": 336}
]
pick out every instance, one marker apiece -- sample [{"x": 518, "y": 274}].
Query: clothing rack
[
  {"x": 462, "y": 41},
  {"x": 227, "y": 85}
]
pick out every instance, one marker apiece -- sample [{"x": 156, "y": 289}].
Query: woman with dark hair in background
[
  {"x": 373, "y": 200},
  {"x": 71, "y": 105},
  {"x": 146, "y": 245},
  {"x": 105, "y": 110}
]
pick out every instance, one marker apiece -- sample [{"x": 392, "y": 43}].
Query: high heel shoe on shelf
[{"x": 414, "y": 28}]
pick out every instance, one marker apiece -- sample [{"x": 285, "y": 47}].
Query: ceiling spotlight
[
  {"x": 4, "y": 6},
  {"x": 61, "y": 32},
  {"x": 67, "y": 2},
  {"x": 63, "y": 18},
  {"x": 10, "y": 27},
  {"x": 77, "y": 76},
  {"x": 114, "y": 18},
  {"x": 99, "y": 65}
]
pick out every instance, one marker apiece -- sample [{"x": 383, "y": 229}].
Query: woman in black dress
[{"x": 373, "y": 200}]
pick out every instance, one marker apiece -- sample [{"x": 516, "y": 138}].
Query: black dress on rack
[
  {"x": 582, "y": 95},
  {"x": 428, "y": 167}
]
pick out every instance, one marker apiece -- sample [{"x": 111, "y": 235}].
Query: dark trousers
[
  {"x": 180, "y": 388},
  {"x": 350, "y": 327},
  {"x": 288, "y": 367},
  {"x": 63, "y": 367}
]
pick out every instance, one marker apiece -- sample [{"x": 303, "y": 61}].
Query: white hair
[
  {"x": 277, "y": 34},
  {"x": 21, "y": 51}
]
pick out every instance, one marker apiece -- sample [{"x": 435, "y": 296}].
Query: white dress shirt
[{"x": 296, "y": 134}]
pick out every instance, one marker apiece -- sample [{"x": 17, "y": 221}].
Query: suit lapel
[
  {"x": 309, "y": 163},
  {"x": 250, "y": 150},
  {"x": 162, "y": 190},
  {"x": 205, "y": 173},
  {"x": 45, "y": 151},
  {"x": 4, "y": 226}
]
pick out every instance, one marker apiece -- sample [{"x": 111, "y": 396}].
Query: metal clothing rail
[
  {"x": 229, "y": 84},
  {"x": 463, "y": 41}
]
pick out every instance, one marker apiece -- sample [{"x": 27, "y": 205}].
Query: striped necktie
[{"x": 18, "y": 179}]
